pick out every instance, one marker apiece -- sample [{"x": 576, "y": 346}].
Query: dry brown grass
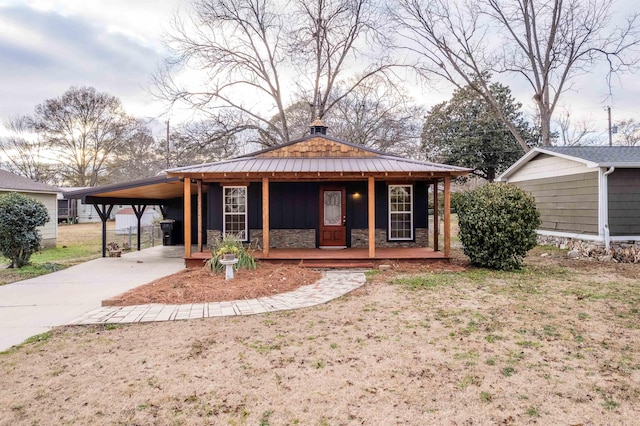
[{"x": 554, "y": 344}]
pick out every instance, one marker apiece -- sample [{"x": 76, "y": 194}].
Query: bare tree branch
[{"x": 547, "y": 42}]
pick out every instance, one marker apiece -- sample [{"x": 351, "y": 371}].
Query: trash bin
[{"x": 166, "y": 226}]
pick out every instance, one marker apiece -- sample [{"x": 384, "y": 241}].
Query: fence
[{"x": 127, "y": 238}]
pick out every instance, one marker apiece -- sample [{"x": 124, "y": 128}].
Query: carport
[{"x": 165, "y": 192}]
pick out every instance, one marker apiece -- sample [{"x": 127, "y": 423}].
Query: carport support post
[
  {"x": 436, "y": 219},
  {"x": 447, "y": 216},
  {"x": 103, "y": 212},
  {"x": 199, "y": 215},
  {"x": 265, "y": 216},
  {"x": 371, "y": 197},
  {"x": 138, "y": 211},
  {"x": 187, "y": 217}
]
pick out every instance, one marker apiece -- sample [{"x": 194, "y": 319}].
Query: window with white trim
[
  {"x": 235, "y": 211},
  {"x": 400, "y": 212}
]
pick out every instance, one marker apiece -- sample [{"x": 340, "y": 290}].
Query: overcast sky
[{"x": 47, "y": 46}]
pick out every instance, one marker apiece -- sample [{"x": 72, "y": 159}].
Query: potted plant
[
  {"x": 114, "y": 249},
  {"x": 227, "y": 251}
]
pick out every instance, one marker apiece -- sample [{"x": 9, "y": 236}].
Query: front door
[{"x": 333, "y": 218}]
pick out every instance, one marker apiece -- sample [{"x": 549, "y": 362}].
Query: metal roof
[
  {"x": 379, "y": 164},
  {"x": 13, "y": 182}
]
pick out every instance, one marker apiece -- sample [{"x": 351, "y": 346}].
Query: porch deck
[{"x": 348, "y": 257}]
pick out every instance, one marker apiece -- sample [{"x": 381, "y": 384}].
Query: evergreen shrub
[{"x": 497, "y": 225}]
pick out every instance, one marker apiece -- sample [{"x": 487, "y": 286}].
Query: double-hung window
[
  {"x": 400, "y": 212},
  {"x": 235, "y": 211}
]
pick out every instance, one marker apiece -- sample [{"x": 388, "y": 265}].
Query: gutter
[{"x": 604, "y": 206}]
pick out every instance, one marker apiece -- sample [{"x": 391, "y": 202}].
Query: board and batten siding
[
  {"x": 547, "y": 166},
  {"x": 624, "y": 202},
  {"x": 566, "y": 203}
]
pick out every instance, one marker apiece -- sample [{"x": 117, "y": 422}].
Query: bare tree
[
  {"x": 26, "y": 152},
  {"x": 627, "y": 132},
  {"x": 546, "y": 42},
  {"x": 258, "y": 55},
  {"x": 378, "y": 116},
  {"x": 137, "y": 158},
  {"x": 574, "y": 132},
  {"x": 201, "y": 142},
  {"x": 84, "y": 128}
]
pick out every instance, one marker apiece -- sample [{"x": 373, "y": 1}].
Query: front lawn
[{"x": 555, "y": 343}]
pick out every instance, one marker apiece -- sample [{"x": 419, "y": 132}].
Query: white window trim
[
  {"x": 399, "y": 212},
  {"x": 224, "y": 211}
]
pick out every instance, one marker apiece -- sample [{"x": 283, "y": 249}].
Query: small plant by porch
[{"x": 227, "y": 248}]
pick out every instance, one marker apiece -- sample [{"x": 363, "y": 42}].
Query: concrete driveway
[{"x": 35, "y": 305}]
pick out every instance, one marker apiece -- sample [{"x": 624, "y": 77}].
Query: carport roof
[{"x": 142, "y": 191}]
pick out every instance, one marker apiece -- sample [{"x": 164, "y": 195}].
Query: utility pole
[{"x": 609, "y": 113}]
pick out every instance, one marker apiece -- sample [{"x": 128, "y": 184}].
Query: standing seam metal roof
[{"x": 318, "y": 164}]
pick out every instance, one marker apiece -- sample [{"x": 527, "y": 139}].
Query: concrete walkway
[
  {"x": 332, "y": 285},
  {"x": 35, "y": 305},
  {"x": 74, "y": 295}
]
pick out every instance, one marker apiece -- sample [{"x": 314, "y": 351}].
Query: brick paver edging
[{"x": 332, "y": 285}]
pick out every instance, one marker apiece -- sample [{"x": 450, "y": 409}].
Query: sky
[{"x": 47, "y": 46}]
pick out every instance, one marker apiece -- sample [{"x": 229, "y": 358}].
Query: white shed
[{"x": 126, "y": 221}]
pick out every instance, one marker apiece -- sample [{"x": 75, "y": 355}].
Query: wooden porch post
[
  {"x": 436, "y": 219},
  {"x": 371, "y": 197},
  {"x": 187, "y": 217},
  {"x": 447, "y": 216},
  {"x": 265, "y": 216},
  {"x": 199, "y": 215}
]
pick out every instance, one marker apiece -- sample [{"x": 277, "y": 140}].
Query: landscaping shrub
[
  {"x": 19, "y": 218},
  {"x": 230, "y": 244},
  {"x": 497, "y": 225}
]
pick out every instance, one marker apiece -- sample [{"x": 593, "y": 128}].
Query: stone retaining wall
[
  {"x": 278, "y": 238},
  {"x": 360, "y": 239},
  {"x": 617, "y": 252}
]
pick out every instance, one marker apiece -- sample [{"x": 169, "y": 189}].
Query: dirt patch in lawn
[
  {"x": 200, "y": 285},
  {"x": 555, "y": 343}
]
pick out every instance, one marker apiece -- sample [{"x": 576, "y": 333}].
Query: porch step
[{"x": 335, "y": 263}]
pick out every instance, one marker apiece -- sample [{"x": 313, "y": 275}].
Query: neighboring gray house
[
  {"x": 583, "y": 193},
  {"x": 75, "y": 211},
  {"x": 10, "y": 182}
]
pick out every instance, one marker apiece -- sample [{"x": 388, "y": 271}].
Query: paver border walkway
[{"x": 332, "y": 285}]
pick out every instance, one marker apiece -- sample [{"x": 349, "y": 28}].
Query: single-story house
[
  {"x": 314, "y": 197},
  {"x": 587, "y": 193},
  {"x": 11, "y": 182}
]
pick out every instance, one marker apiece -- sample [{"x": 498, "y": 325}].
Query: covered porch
[{"x": 349, "y": 257}]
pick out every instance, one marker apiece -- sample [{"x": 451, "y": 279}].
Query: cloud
[{"x": 44, "y": 53}]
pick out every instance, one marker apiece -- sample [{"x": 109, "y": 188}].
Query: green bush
[
  {"x": 230, "y": 244},
  {"x": 497, "y": 225},
  {"x": 19, "y": 218}
]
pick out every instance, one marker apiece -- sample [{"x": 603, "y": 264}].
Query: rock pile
[{"x": 617, "y": 252}]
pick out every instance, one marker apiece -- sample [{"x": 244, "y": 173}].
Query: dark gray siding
[
  {"x": 566, "y": 203},
  {"x": 624, "y": 202}
]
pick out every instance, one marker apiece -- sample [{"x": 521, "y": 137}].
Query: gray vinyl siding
[
  {"x": 624, "y": 202},
  {"x": 566, "y": 203}
]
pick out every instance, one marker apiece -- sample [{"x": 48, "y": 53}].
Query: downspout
[{"x": 604, "y": 200}]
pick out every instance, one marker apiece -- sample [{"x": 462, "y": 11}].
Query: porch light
[{"x": 356, "y": 195}]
